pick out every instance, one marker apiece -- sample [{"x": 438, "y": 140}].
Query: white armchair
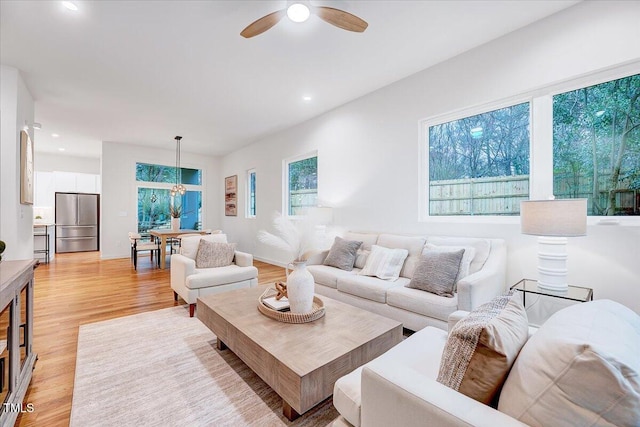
[
  {"x": 190, "y": 282},
  {"x": 399, "y": 388},
  {"x": 573, "y": 370}
]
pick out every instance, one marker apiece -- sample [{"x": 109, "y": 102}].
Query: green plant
[
  {"x": 175, "y": 211},
  {"x": 38, "y": 217}
]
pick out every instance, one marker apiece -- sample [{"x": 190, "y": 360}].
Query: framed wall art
[
  {"x": 231, "y": 195},
  {"x": 26, "y": 169}
]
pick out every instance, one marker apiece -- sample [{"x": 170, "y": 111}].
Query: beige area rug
[{"x": 162, "y": 369}]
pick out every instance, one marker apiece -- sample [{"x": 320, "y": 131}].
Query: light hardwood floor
[{"x": 80, "y": 288}]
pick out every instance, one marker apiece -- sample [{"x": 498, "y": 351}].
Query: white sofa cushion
[
  {"x": 347, "y": 398},
  {"x": 421, "y": 302},
  {"x": 414, "y": 244},
  {"x": 189, "y": 244},
  {"x": 206, "y": 277},
  {"x": 582, "y": 367},
  {"x": 370, "y": 288},
  {"x": 482, "y": 247},
  {"x": 328, "y": 276},
  {"x": 367, "y": 239}
]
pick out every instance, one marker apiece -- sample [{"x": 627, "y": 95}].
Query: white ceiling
[{"x": 141, "y": 72}]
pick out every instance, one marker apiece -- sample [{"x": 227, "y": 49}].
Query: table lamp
[{"x": 554, "y": 221}]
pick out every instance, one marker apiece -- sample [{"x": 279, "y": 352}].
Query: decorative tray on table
[{"x": 316, "y": 312}]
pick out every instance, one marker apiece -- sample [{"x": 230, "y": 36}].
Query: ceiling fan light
[{"x": 298, "y": 12}]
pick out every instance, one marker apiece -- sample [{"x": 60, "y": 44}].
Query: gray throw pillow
[
  {"x": 214, "y": 254},
  {"x": 437, "y": 272},
  {"x": 342, "y": 254}
]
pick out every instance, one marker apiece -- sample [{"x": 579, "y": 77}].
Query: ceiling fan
[{"x": 299, "y": 12}]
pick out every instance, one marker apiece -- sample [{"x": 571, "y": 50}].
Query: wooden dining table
[{"x": 164, "y": 235}]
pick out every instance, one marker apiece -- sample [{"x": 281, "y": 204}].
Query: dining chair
[{"x": 140, "y": 244}]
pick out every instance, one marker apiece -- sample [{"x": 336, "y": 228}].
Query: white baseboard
[{"x": 270, "y": 261}]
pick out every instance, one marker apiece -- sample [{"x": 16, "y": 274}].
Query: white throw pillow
[
  {"x": 384, "y": 263},
  {"x": 214, "y": 254},
  {"x": 361, "y": 258},
  {"x": 189, "y": 244}
]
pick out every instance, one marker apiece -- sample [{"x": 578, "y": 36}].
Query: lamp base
[
  {"x": 553, "y": 288},
  {"x": 552, "y": 263}
]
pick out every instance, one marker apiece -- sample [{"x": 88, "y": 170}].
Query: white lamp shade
[{"x": 559, "y": 217}]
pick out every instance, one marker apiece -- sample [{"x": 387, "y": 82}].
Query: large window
[
  {"x": 167, "y": 174},
  {"x": 154, "y": 198},
  {"x": 479, "y": 165},
  {"x": 301, "y": 184},
  {"x": 251, "y": 193},
  {"x": 596, "y": 146}
]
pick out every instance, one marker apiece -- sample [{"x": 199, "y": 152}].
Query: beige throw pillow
[
  {"x": 384, "y": 263},
  {"x": 436, "y": 272},
  {"x": 214, "y": 254},
  {"x": 189, "y": 245},
  {"x": 482, "y": 347}
]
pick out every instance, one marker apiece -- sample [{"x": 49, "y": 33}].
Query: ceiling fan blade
[
  {"x": 263, "y": 24},
  {"x": 341, "y": 19}
]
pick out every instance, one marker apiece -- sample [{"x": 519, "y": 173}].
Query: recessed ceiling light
[
  {"x": 298, "y": 12},
  {"x": 70, "y": 5},
  {"x": 55, "y": 135},
  {"x": 306, "y": 98},
  {"x": 60, "y": 149}
]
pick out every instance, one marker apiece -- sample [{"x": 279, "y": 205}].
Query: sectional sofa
[{"x": 415, "y": 308}]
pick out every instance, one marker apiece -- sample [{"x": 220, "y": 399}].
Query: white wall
[
  {"x": 368, "y": 150},
  {"x": 16, "y": 220},
  {"x": 49, "y": 162},
  {"x": 119, "y": 202}
]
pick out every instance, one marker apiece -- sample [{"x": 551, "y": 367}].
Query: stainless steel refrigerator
[{"x": 77, "y": 222}]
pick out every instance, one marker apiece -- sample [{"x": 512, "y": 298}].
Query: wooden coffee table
[{"x": 300, "y": 362}]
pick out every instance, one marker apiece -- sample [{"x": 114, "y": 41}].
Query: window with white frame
[
  {"x": 251, "y": 193},
  {"x": 301, "y": 184},
  {"x": 596, "y": 146},
  {"x": 154, "y": 198},
  {"x": 479, "y": 164},
  {"x": 586, "y": 145}
]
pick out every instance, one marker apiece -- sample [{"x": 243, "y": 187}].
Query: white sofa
[
  {"x": 580, "y": 368},
  {"x": 416, "y": 309},
  {"x": 190, "y": 282}
]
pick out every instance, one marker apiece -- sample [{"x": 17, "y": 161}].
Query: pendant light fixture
[{"x": 178, "y": 188}]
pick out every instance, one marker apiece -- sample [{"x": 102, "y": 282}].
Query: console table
[{"x": 17, "y": 360}]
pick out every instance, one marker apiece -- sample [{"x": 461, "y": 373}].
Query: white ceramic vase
[
  {"x": 300, "y": 287},
  {"x": 175, "y": 224}
]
